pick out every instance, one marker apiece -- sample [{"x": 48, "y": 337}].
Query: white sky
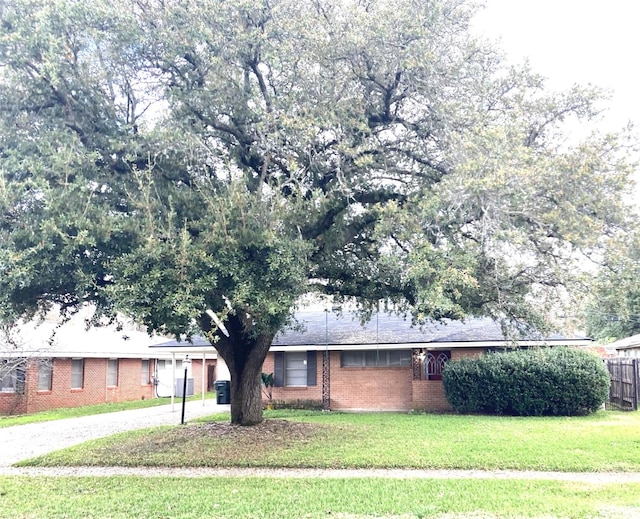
[{"x": 574, "y": 41}]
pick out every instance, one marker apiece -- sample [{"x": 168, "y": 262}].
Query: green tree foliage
[
  {"x": 613, "y": 307},
  {"x": 536, "y": 382},
  {"x": 165, "y": 158}
]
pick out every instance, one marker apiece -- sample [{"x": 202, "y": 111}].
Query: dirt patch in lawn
[
  {"x": 268, "y": 430},
  {"x": 256, "y": 444},
  {"x": 212, "y": 444}
]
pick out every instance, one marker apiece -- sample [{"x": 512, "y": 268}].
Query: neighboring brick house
[
  {"x": 69, "y": 366},
  {"x": 335, "y": 362}
]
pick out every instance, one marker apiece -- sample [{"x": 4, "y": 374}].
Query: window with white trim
[
  {"x": 145, "y": 377},
  {"x": 112, "y": 372},
  {"x": 375, "y": 358},
  {"x": 45, "y": 374},
  {"x": 77, "y": 373},
  {"x": 295, "y": 368},
  {"x": 12, "y": 375}
]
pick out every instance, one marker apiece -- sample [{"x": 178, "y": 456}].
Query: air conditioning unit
[{"x": 180, "y": 387}]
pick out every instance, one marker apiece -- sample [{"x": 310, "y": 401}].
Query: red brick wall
[
  {"x": 292, "y": 394},
  {"x": 428, "y": 395},
  {"x": 353, "y": 388},
  {"x": 12, "y": 403},
  {"x": 95, "y": 390},
  {"x": 384, "y": 388},
  {"x": 379, "y": 388},
  {"x": 130, "y": 385}
]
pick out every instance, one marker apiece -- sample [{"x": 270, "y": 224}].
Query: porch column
[
  {"x": 326, "y": 381},
  {"x": 173, "y": 381},
  {"x": 204, "y": 358},
  {"x": 417, "y": 363}
]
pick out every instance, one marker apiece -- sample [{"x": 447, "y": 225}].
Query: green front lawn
[
  {"x": 265, "y": 498},
  {"x": 605, "y": 441}
]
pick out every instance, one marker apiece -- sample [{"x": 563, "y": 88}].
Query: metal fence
[{"x": 625, "y": 383}]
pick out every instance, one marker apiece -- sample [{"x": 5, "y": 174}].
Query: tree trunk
[
  {"x": 246, "y": 396},
  {"x": 244, "y": 359}
]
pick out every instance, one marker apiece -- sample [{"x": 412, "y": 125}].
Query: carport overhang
[{"x": 179, "y": 350}]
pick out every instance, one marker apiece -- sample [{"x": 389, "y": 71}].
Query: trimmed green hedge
[{"x": 540, "y": 381}]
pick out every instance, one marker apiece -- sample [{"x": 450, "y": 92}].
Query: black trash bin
[{"x": 223, "y": 391}]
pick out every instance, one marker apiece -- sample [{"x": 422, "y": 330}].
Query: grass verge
[
  {"x": 88, "y": 410},
  {"x": 265, "y": 498},
  {"x": 604, "y": 441}
]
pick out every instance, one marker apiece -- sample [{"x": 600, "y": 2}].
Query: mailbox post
[{"x": 186, "y": 363}]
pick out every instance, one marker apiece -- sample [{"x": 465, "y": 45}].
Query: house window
[
  {"x": 503, "y": 349},
  {"x": 12, "y": 376},
  {"x": 162, "y": 365},
  {"x": 145, "y": 379},
  {"x": 434, "y": 364},
  {"x": 375, "y": 358},
  {"x": 77, "y": 373},
  {"x": 294, "y": 369},
  {"x": 112, "y": 372},
  {"x": 45, "y": 374}
]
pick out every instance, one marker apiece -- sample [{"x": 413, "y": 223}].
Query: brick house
[
  {"x": 337, "y": 363},
  {"x": 56, "y": 366}
]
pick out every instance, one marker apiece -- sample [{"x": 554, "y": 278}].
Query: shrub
[
  {"x": 309, "y": 405},
  {"x": 535, "y": 382}
]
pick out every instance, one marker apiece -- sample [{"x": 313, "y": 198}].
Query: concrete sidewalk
[
  {"x": 596, "y": 478},
  {"x": 21, "y": 442}
]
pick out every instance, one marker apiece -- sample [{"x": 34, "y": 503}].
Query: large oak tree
[
  {"x": 612, "y": 309},
  {"x": 177, "y": 159}
]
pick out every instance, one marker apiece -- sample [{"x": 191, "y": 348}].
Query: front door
[{"x": 211, "y": 377}]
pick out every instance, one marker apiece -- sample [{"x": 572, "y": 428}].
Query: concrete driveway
[{"x": 21, "y": 442}]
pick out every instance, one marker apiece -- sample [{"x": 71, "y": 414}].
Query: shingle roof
[
  {"x": 318, "y": 328},
  {"x": 321, "y": 328}
]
